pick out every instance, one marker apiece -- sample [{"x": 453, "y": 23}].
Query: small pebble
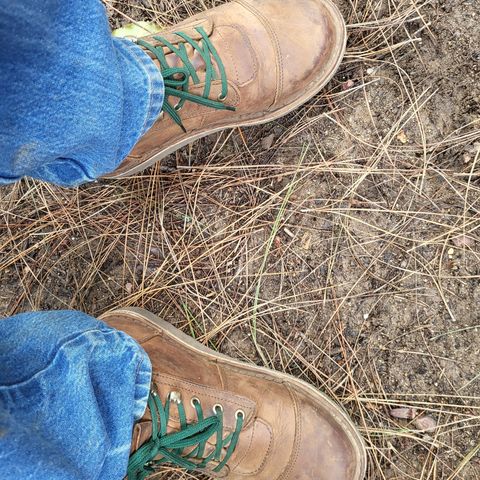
[{"x": 348, "y": 84}]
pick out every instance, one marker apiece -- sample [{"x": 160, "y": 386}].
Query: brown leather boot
[
  {"x": 242, "y": 63},
  {"x": 227, "y": 419}
]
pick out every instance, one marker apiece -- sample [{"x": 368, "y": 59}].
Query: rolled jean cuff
[
  {"x": 142, "y": 388},
  {"x": 155, "y": 84}
]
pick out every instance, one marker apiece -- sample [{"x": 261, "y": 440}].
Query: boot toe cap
[
  {"x": 310, "y": 38},
  {"x": 328, "y": 447}
]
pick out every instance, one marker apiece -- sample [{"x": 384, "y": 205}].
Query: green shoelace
[
  {"x": 177, "y": 79},
  {"x": 168, "y": 448}
]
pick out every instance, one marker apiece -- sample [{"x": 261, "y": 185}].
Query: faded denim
[
  {"x": 73, "y": 100},
  {"x": 71, "y": 388}
]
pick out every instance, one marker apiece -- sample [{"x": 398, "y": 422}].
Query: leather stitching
[
  {"x": 245, "y": 403},
  {"x": 253, "y": 55},
  {"x": 297, "y": 440},
  {"x": 240, "y": 460},
  {"x": 273, "y": 34},
  {"x": 215, "y": 398},
  {"x": 214, "y": 361},
  {"x": 229, "y": 51},
  {"x": 267, "y": 455}
]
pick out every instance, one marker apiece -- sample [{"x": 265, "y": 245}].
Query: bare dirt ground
[{"x": 340, "y": 244}]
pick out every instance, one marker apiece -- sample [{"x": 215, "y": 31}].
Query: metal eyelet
[
  {"x": 175, "y": 397},
  {"x": 221, "y": 97},
  {"x": 216, "y": 407},
  {"x": 178, "y": 107},
  {"x": 240, "y": 414},
  {"x": 194, "y": 401}
]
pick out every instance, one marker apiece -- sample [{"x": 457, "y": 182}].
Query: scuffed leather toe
[
  {"x": 327, "y": 447},
  {"x": 310, "y": 42}
]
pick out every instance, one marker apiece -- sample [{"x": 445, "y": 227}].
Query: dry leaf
[
  {"x": 307, "y": 241},
  {"x": 402, "y": 137},
  {"x": 129, "y": 287},
  {"x": 425, "y": 423},
  {"x": 405, "y": 413},
  {"x": 463, "y": 241},
  {"x": 137, "y": 29},
  {"x": 267, "y": 142},
  {"x": 422, "y": 422}
]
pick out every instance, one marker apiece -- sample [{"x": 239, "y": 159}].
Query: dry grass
[{"x": 339, "y": 244}]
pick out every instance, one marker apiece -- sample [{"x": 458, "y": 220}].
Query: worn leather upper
[
  {"x": 290, "y": 432},
  {"x": 276, "y": 53}
]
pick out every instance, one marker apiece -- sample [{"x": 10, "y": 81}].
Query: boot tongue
[
  {"x": 142, "y": 433},
  {"x": 195, "y": 58}
]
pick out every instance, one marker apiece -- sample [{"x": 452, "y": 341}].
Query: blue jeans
[
  {"x": 73, "y": 103},
  {"x": 71, "y": 389},
  {"x": 73, "y": 100}
]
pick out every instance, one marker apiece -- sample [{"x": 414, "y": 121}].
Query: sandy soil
[{"x": 339, "y": 244}]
